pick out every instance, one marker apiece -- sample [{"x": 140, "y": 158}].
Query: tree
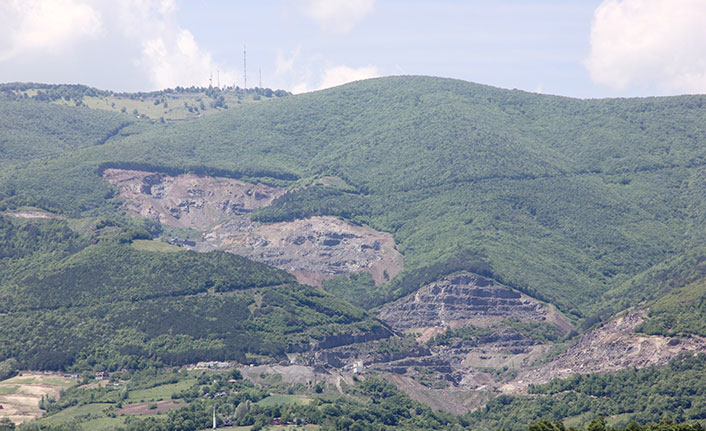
[{"x": 6, "y": 425}]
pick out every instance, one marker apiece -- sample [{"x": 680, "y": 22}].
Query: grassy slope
[{"x": 566, "y": 198}]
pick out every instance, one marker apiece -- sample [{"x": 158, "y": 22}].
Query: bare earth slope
[
  {"x": 611, "y": 347},
  {"x": 463, "y": 373},
  {"x": 464, "y": 299},
  {"x": 312, "y": 249}
]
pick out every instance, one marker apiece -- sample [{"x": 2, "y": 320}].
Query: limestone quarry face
[
  {"x": 463, "y": 365},
  {"x": 457, "y": 376},
  {"x": 469, "y": 300},
  {"x": 610, "y": 347},
  {"x": 460, "y": 300},
  {"x": 313, "y": 249},
  {"x": 188, "y": 201}
]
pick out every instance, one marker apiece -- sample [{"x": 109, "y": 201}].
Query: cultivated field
[{"x": 20, "y": 395}]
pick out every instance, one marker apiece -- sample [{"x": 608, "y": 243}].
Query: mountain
[
  {"x": 100, "y": 296},
  {"x": 565, "y": 198},
  {"x": 460, "y": 240}
]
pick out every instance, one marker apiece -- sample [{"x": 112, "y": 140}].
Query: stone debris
[{"x": 313, "y": 249}]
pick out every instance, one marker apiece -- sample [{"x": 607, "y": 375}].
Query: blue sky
[{"x": 579, "y": 48}]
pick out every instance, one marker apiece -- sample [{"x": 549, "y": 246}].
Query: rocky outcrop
[
  {"x": 459, "y": 300},
  {"x": 188, "y": 201},
  {"x": 611, "y": 347},
  {"x": 313, "y": 249}
]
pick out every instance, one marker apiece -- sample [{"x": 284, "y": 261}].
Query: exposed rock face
[
  {"x": 470, "y": 300},
  {"x": 460, "y": 366},
  {"x": 611, "y": 347},
  {"x": 313, "y": 249},
  {"x": 188, "y": 200},
  {"x": 459, "y": 300}
]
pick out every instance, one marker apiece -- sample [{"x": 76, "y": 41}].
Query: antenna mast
[
  {"x": 245, "y": 68},
  {"x": 219, "y": 78},
  {"x": 210, "y": 80},
  {"x": 260, "y": 70}
]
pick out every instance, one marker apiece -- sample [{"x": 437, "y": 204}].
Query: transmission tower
[{"x": 245, "y": 68}]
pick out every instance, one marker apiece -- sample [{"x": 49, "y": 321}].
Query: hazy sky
[{"x": 581, "y": 48}]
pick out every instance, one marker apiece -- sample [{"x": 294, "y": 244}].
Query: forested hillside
[
  {"x": 74, "y": 300},
  {"x": 587, "y": 208},
  {"x": 565, "y": 198}
]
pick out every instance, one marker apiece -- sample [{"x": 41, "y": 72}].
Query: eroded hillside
[
  {"x": 464, "y": 299},
  {"x": 476, "y": 339},
  {"x": 611, "y": 347},
  {"x": 313, "y": 249}
]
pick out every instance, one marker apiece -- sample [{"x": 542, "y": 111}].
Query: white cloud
[
  {"x": 336, "y": 75},
  {"x": 300, "y": 88},
  {"x": 338, "y": 16},
  {"x": 339, "y": 75},
  {"x": 649, "y": 43},
  {"x": 174, "y": 58},
  {"x": 89, "y": 38},
  {"x": 46, "y": 26},
  {"x": 284, "y": 64},
  {"x": 170, "y": 55}
]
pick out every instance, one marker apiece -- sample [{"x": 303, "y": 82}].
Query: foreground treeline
[
  {"x": 373, "y": 404},
  {"x": 599, "y": 424},
  {"x": 647, "y": 394}
]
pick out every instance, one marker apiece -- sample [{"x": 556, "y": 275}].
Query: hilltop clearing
[{"x": 173, "y": 104}]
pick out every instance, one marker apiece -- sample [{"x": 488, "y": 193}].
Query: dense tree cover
[
  {"x": 644, "y": 395},
  {"x": 30, "y": 129},
  {"x": 20, "y": 238},
  {"x": 63, "y": 294},
  {"x": 676, "y": 272},
  {"x": 313, "y": 201},
  {"x": 681, "y": 311},
  {"x": 674, "y": 291},
  {"x": 541, "y": 332},
  {"x": 566, "y": 198},
  {"x": 112, "y": 272},
  {"x": 176, "y": 330},
  {"x": 8, "y": 368},
  {"x": 599, "y": 424}
]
